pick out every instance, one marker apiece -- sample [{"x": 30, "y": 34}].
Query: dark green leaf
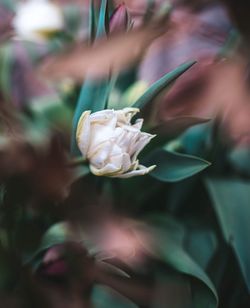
[
  {"x": 231, "y": 203},
  {"x": 201, "y": 244},
  {"x": 195, "y": 140},
  {"x": 58, "y": 234},
  {"x": 172, "y": 166},
  {"x": 9, "y": 268},
  {"x": 240, "y": 158},
  {"x": 161, "y": 84},
  {"x": 104, "y": 297},
  {"x": 166, "y": 237},
  {"x": 92, "y": 21},
  {"x": 172, "y": 290}
]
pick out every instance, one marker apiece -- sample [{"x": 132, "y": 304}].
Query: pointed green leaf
[
  {"x": 161, "y": 84},
  {"x": 231, "y": 203},
  {"x": 172, "y": 166},
  {"x": 102, "y": 27}
]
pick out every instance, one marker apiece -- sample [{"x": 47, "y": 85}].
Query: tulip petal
[
  {"x": 112, "y": 143},
  {"x": 141, "y": 171},
  {"x": 83, "y": 133},
  {"x": 100, "y": 157},
  {"x": 143, "y": 140},
  {"x": 105, "y": 117},
  {"x": 125, "y": 115},
  {"x": 100, "y": 134},
  {"x": 138, "y": 124},
  {"x": 107, "y": 170},
  {"x": 102, "y": 131}
]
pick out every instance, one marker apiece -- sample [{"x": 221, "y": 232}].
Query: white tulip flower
[
  {"x": 36, "y": 20},
  {"x": 111, "y": 144}
]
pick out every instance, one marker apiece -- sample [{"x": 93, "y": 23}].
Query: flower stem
[{"x": 77, "y": 161}]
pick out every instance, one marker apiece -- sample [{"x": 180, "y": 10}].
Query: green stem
[{"x": 77, "y": 162}]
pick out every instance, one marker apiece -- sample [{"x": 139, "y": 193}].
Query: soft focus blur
[{"x": 72, "y": 239}]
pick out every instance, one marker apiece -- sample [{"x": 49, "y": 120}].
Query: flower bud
[
  {"x": 37, "y": 20},
  {"x": 111, "y": 144},
  {"x": 119, "y": 20}
]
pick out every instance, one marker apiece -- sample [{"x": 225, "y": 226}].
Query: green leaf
[
  {"x": 57, "y": 234},
  {"x": 172, "y": 290},
  {"x": 201, "y": 244},
  {"x": 103, "y": 297},
  {"x": 172, "y": 166},
  {"x": 195, "y": 139},
  {"x": 9, "y": 269},
  {"x": 102, "y": 27},
  {"x": 92, "y": 21},
  {"x": 54, "y": 110},
  {"x": 6, "y": 60},
  {"x": 9, "y": 4},
  {"x": 240, "y": 158},
  {"x": 72, "y": 17},
  {"x": 166, "y": 237},
  {"x": 231, "y": 203},
  {"x": 161, "y": 84}
]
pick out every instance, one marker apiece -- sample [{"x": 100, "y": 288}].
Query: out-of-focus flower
[
  {"x": 119, "y": 20},
  {"x": 37, "y": 20},
  {"x": 111, "y": 143},
  {"x": 195, "y": 34}
]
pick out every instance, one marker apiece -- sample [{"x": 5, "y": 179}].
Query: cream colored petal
[
  {"x": 124, "y": 140},
  {"x": 100, "y": 134},
  {"x": 103, "y": 130},
  {"x": 107, "y": 170},
  {"x": 83, "y": 133},
  {"x": 130, "y": 128},
  {"x": 141, "y": 171},
  {"x": 142, "y": 141},
  {"x": 125, "y": 115},
  {"x": 123, "y": 161},
  {"x": 138, "y": 124},
  {"x": 100, "y": 158},
  {"x": 135, "y": 165},
  {"x": 117, "y": 165},
  {"x": 103, "y": 116},
  {"x": 134, "y": 138}
]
